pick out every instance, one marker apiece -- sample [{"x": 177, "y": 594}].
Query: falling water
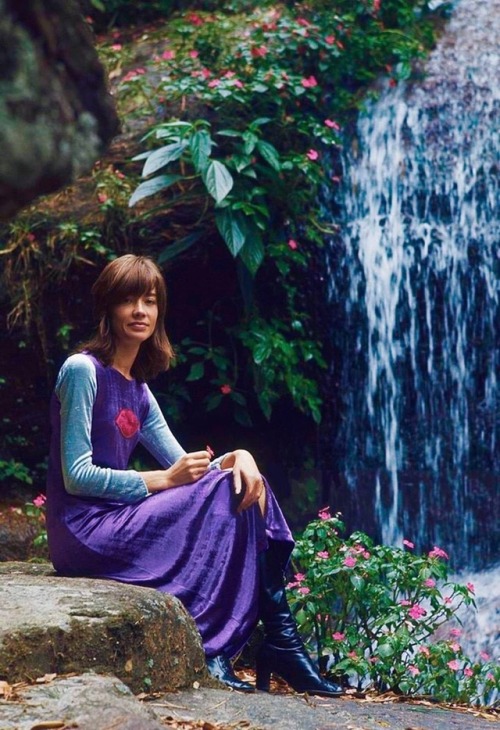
[{"x": 416, "y": 299}]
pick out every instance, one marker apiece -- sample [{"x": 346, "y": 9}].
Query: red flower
[
  {"x": 168, "y": 55},
  {"x": 312, "y": 155},
  {"x": 127, "y": 422},
  {"x": 225, "y": 389},
  {"x": 309, "y": 83},
  {"x": 292, "y": 244}
]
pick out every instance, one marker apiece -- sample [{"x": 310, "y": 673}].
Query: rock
[
  {"x": 87, "y": 702},
  {"x": 56, "y": 113},
  {"x": 17, "y": 533},
  {"x": 51, "y": 624}
]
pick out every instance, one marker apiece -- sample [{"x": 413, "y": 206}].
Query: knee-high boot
[{"x": 283, "y": 652}]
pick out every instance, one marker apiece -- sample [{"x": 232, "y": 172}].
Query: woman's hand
[
  {"x": 246, "y": 477},
  {"x": 188, "y": 468}
]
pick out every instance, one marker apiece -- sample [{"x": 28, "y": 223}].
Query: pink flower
[
  {"x": 292, "y": 244},
  {"x": 405, "y": 602},
  {"x": 338, "y": 636},
  {"x": 238, "y": 83},
  {"x": 408, "y": 544},
  {"x": 374, "y": 659},
  {"x": 299, "y": 576},
  {"x": 454, "y": 664},
  {"x": 471, "y": 588},
  {"x": 119, "y": 174},
  {"x": 292, "y": 584},
  {"x": 259, "y": 51},
  {"x": 350, "y": 562},
  {"x": 116, "y": 47},
  {"x": 102, "y": 197},
  {"x": 303, "y": 22},
  {"x": 194, "y": 19},
  {"x": 417, "y": 612},
  {"x": 194, "y": 54},
  {"x": 40, "y": 500},
  {"x": 456, "y": 632},
  {"x": 330, "y": 39},
  {"x": 436, "y": 552},
  {"x": 424, "y": 650},
  {"x": 455, "y": 646},
  {"x": 168, "y": 55},
  {"x": 210, "y": 451},
  {"x": 304, "y": 590},
  {"x": 430, "y": 583},
  {"x": 31, "y": 237},
  {"x": 484, "y": 655},
  {"x": 225, "y": 389},
  {"x": 352, "y": 655},
  {"x": 213, "y": 84},
  {"x": 324, "y": 513},
  {"x": 448, "y": 600},
  {"x": 333, "y": 125},
  {"x": 376, "y": 5},
  {"x": 323, "y": 554},
  {"x": 468, "y": 672},
  {"x": 413, "y": 670},
  {"x": 312, "y": 154},
  {"x": 309, "y": 83}
]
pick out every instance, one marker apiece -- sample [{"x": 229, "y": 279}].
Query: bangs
[{"x": 137, "y": 280}]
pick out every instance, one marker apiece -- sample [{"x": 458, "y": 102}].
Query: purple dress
[{"x": 188, "y": 541}]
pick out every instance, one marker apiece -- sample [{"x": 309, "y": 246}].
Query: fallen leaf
[
  {"x": 45, "y": 679},
  {"x": 47, "y": 724},
  {"x": 5, "y": 689}
]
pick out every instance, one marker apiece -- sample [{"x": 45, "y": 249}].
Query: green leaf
[
  {"x": 232, "y": 229},
  {"x": 212, "y": 401},
  {"x": 218, "y": 180},
  {"x": 252, "y": 253},
  {"x": 150, "y": 187},
  {"x": 197, "y": 371},
  {"x": 250, "y": 141},
  {"x": 174, "y": 249},
  {"x": 160, "y": 158},
  {"x": 270, "y": 154},
  {"x": 200, "y": 145}
]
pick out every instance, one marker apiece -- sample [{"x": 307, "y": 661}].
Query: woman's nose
[{"x": 139, "y": 307}]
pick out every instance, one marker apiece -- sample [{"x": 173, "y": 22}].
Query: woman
[{"x": 207, "y": 531}]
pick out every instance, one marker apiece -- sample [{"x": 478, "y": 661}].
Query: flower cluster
[{"x": 373, "y": 612}]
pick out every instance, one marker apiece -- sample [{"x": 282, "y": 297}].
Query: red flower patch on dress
[{"x": 127, "y": 422}]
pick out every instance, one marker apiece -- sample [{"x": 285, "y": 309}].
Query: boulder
[
  {"x": 55, "y": 110},
  {"x": 87, "y": 702},
  {"x": 52, "y": 624}
]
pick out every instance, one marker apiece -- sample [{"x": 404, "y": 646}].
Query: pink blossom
[
  {"x": 309, "y": 82},
  {"x": 116, "y": 47},
  {"x": 119, "y": 174},
  {"x": 168, "y": 55},
  {"x": 408, "y": 544},
  {"x": 490, "y": 677},
  {"x": 194, "y": 54},
  {"x": 376, "y": 5},
  {"x": 413, "y": 670},
  {"x": 330, "y": 39},
  {"x": 374, "y": 659},
  {"x": 333, "y": 125},
  {"x": 456, "y": 632},
  {"x": 455, "y": 646},
  {"x": 350, "y": 562},
  {"x": 31, "y": 237},
  {"x": 214, "y": 83},
  {"x": 454, "y": 664},
  {"x": 405, "y": 602},
  {"x": 102, "y": 197},
  {"x": 436, "y": 552},
  {"x": 323, "y": 554},
  {"x": 430, "y": 583},
  {"x": 448, "y": 600},
  {"x": 259, "y": 51},
  {"x": 292, "y": 584},
  {"x": 40, "y": 500},
  {"x": 338, "y": 636},
  {"x": 303, "y": 22},
  {"x": 304, "y": 590},
  {"x": 417, "y": 612},
  {"x": 210, "y": 451},
  {"x": 238, "y": 83},
  {"x": 471, "y": 588},
  {"x": 468, "y": 672},
  {"x": 324, "y": 513},
  {"x": 424, "y": 650},
  {"x": 205, "y": 73},
  {"x": 312, "y": 154},
  {"x": 292, "y": 243},
  {"x": 484, "y": 655},
  {"x": 225, "y": 389},
  {"x": 352, "y": 655},
  {"x": 299, "y": 576},
  {"x": 194, "y": 19}
]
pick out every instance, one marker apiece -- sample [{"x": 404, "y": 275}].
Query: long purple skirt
[{"x": 188, "y": 541}]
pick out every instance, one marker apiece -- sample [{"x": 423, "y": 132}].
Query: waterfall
[{"x": 415, "y": 296}]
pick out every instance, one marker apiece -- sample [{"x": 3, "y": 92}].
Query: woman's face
[{"x": 133, "y": 320}]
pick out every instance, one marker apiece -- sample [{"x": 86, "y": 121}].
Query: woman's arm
[{"x": 246, "y": 476}]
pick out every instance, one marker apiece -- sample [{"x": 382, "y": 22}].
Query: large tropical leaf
[
  {"x": 232, "y": 227},
  {"x": 252, "y": 253},
  {"x": 218, "y": 180},
  {"x": 160, "y": 158},
  {"x": 150, "y": 187},
  {"x": 174, "y": 249},
  {"x": 201, "y": 146},
  {"x": 270, "y": 154}
]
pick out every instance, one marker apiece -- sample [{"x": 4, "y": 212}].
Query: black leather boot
[
  {"x": 221, "y": 668},
  {"x": 283, "y": 652}
]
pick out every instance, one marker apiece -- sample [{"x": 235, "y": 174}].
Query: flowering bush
[
  {"x": 372, "y": 612},
  {"x": 35, "y": 510}
]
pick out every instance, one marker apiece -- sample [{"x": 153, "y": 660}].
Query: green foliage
[
  {"x": 35, "y": 510},
  {"x": 12, "y": 469},
  {"x": 373, "y": 610}
]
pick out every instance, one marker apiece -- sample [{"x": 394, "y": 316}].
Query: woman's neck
[{"x": 124, "y": 359}]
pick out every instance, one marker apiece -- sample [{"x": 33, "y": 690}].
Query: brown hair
[{"x": 130, "y": 275}]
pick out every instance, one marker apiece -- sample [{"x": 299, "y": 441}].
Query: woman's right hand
[{"x": 188, "y": 468}]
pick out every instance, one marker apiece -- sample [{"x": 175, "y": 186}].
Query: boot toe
[{"x": 220, "y": 668}]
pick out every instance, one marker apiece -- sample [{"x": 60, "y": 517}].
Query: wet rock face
[
  {"x": 50, "y": 624},
  {"x": 56, "y": 115}
]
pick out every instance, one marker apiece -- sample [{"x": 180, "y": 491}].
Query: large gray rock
[
  {"x": 56, "y": 115},
  {"x": 50, "y": 624},
  {"x": 87, "y": 702}
]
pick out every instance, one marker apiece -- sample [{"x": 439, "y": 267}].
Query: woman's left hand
[{"x": 246, "y": 477}]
